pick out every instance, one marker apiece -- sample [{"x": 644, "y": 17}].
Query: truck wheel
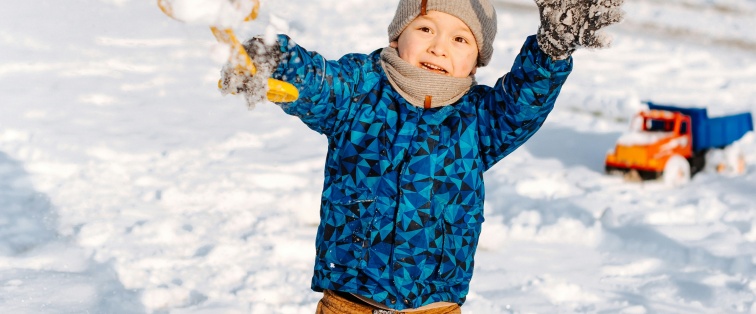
[
  {"x": 741, "y": 167},
  {"x": 676, "y": 171},
  {"x": 716, "y": 162},
  {"x": 728, "y": 161},
  {"x": 632, "y": 176},
  {"x": 735, "y": 160}
]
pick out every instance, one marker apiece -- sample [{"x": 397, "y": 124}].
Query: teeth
[{"x": 428, "y": 66}]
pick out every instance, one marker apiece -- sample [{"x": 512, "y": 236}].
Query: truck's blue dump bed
[{"x": 712, "y": 132}]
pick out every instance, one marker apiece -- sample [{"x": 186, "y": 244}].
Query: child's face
[{"x": 440, "y": 43}]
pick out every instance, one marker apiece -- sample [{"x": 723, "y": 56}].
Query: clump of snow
[{"x": 224, "y": 14}]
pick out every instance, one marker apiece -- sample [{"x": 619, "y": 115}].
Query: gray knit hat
[{"x": 479, "y": 15}]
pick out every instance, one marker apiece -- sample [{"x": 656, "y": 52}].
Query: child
[{"x": 410, "y": 135}]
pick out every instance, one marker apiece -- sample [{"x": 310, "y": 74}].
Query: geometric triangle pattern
[{"x": 402, "y": 203}]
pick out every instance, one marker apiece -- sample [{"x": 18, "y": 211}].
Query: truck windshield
[{"x": 656, "y": 125}]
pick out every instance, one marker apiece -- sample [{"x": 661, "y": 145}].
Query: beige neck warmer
[{"x": 422, "y": 88}]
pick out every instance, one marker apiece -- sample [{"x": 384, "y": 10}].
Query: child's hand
[
  {"x": 233, "y": 81},
  {"x": 570, "y": 24},
  {"x": 265, "y": 58},
  {"x": 255, "y": 87}
]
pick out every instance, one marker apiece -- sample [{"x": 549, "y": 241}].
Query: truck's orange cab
[{"x": 654, "y": 137}]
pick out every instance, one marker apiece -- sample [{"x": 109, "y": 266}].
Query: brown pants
[{"x": 333, "y": 303}]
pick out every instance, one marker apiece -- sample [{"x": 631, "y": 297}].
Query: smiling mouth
[{"x": 433, "y": 68}]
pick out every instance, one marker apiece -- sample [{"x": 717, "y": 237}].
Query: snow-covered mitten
[
  {"x": 567, "y": 25},
  {"x": 255, "y": 87}
]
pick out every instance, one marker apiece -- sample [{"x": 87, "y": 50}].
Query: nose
[{"x": 437, "y": 47}]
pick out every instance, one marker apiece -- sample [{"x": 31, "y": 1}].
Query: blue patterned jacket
[{"x": 402, "y": 203}]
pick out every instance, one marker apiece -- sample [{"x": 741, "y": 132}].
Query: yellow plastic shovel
[{"x": 278, "y": 91}]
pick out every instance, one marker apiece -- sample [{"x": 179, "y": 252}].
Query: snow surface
[{"x": 128, "y": 184}]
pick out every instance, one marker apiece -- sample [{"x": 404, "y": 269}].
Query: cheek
[
  {"x": 473, "y": 59},
  {"x": 469, "y": 60},
  {"x": 404, "y": 54},
  {"x": 401, "y": 46},
  {"x": 467, "y": 64},
  {"x": 407, "y": 52}
]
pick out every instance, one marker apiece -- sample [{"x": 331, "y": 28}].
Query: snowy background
[{"x": 128, "y": 184}]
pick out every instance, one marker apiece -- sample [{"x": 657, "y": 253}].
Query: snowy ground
[{"x": 128, "y": 184}]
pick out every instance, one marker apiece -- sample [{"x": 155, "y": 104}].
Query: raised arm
[
  {"x": 518, "y": 104},
  {"x": 325, "y": 87}
]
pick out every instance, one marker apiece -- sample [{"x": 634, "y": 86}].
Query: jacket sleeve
[
  {"x": 516, "y": 107},
  {"x": 325, "y": 87}
]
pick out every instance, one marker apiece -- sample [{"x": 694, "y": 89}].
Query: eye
[
  {"x": 461, "y": 40},
  {"x": 424, "y": 29}
]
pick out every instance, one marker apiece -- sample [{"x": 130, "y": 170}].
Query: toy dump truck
[{"x": 675, "y": 143}]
